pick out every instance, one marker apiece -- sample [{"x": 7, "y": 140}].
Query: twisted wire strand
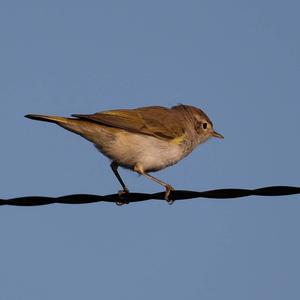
[{"x": 138, "y": 197}]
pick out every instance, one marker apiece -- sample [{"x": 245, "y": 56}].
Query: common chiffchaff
[{"x": 145, "y": 139}]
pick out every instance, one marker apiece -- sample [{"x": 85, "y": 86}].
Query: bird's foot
[
  {"x": 168, "y": 194},
  {"x": 121, "y": 201}
]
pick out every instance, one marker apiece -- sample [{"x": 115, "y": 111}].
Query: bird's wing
[{"x": 156, "y": 121}]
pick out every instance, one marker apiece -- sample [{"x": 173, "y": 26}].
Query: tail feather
[
  {"x": 84, "y": 128},
  {"x": 52, "y": 119}
]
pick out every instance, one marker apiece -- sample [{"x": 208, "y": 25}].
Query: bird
[{"x": 144, "y": 139}]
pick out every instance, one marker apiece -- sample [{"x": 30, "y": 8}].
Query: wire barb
[{"x": 138, "y": 197}]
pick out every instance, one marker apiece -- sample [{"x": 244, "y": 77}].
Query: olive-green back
[{"x": 156, "y": 121}]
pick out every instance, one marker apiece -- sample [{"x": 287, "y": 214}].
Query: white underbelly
[{"x": 151, "y": 153}]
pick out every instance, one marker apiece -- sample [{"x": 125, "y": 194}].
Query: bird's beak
[{"x": 217, "y": 135}]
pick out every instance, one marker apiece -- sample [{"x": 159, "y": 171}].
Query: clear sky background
[{"x": 238, "y": 61}]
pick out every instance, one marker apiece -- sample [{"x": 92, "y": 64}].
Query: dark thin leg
[
  {"x": 167, "y": 186},
  {"x": 114, "y": 166}
]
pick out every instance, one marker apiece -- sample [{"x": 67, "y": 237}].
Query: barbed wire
[{"x": 138, "y": 197}]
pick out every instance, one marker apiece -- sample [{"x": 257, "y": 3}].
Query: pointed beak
[{"x": 217, "y": 135}]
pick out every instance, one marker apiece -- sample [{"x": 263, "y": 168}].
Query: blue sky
[{"x": 238, "y": 61}]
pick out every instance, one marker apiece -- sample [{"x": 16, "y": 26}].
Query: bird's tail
[
  {"x": 52, "y": 119},
  {"x": 86, "y": 129},
  {"x": 71, "y": 124}
]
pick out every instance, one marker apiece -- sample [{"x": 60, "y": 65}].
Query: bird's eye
[{"x": 204, "y": 125}]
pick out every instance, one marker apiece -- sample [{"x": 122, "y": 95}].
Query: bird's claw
[
  {"x": 121, "y": 200},
  {"x": 168, "y": 197}
]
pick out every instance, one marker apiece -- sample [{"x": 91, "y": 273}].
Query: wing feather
[{"x": 156, "y": 121}]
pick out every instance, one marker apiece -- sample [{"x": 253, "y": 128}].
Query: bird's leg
[
  {"x": 139, "y": 169},
  {"x": 114, "y": 166}
]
